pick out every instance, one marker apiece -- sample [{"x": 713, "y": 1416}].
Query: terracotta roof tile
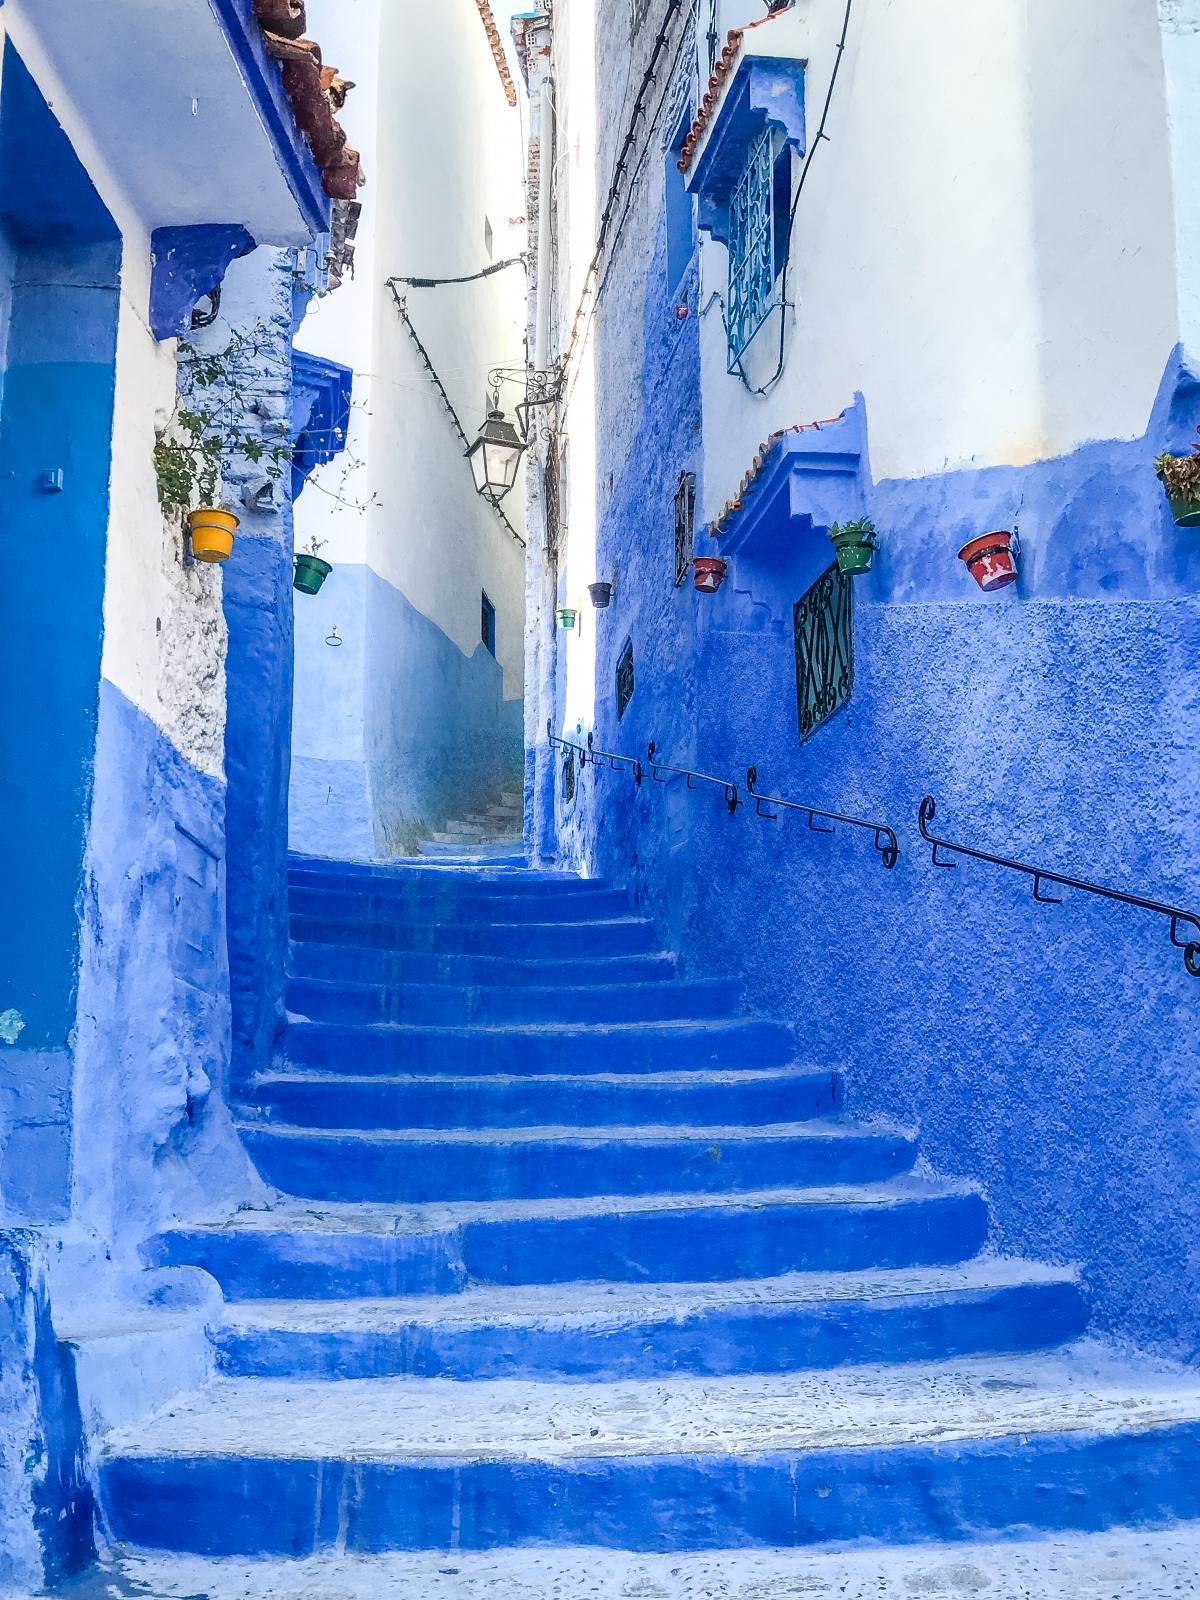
[
  {"x": 722, "y": 68},
  {"x": 498, "y": 56},
  {"x": 315, "y": 92},
  {"x": 761, "y": 456}
]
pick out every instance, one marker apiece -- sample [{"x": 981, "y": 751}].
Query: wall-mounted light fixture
[{"x": 496, "y": 454}]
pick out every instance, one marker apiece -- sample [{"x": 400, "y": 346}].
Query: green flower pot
[
  {"x": 855, "y": 552},
  {"x": 566, "y": 617},
  {"x": 311, "y": 573},
  {"x": 1185, "y": 510}
]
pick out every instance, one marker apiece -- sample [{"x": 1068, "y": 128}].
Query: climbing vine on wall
[{"x": 221, "y": 417}]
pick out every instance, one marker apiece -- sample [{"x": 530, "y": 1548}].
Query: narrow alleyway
[{"x": 577, "y": 1252}]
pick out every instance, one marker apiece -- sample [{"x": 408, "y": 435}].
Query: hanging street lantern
[{"x": 495, "y": 454}]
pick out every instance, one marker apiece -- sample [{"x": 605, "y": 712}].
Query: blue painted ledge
[{"x": 187, "y": 264}]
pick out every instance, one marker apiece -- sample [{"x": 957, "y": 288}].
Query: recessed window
[
  {"x": 759, "y": 218},
  {"x": 679, "y": 208},
  {"x": 625, "y": 678},
  {"x": 487, "y": 614},
  {"x": 685, "y": 526},
  {"x": 824, "y": 626},
  {"x": 568, "y": 777}
]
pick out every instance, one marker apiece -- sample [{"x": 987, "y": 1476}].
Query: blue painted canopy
[
  {"x": 764, "y": 91},
  {"x": 187, "y": 264},
  {"x": 320, "y": 413}
]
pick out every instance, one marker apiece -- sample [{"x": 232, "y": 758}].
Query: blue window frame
[
  {"x": 487, "y": 616},
  {"x": 758, "y": 228}
]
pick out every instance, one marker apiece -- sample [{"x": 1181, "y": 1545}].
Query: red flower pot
[
  {"x": 708, "y": 573},
  {"x": 991, "y": 560}
]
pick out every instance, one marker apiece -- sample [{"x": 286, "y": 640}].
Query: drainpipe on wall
[{"x": 541, "y": 344}]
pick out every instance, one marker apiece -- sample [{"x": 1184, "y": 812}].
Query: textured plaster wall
[
  {"x": 1029, "y": 177},
  {"x": 1048, "y": 1052},
  {"x": 260, "y": 297},
  {"x": 424, "y": 725}
]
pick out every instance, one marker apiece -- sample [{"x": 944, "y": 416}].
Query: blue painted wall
[
  {"x": 61, "y": 261},
  {"x": 1049, "y": 1052},
  {"x": 401, "y": 730}
]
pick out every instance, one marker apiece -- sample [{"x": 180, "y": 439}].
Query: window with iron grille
[
  {"x": 758, "y": 227},
  {"x": 824, "y": 627},
  {"x": 625, "y": 678},
  {"x": 568, "y": 777},
  {"x": 685, "y": 525}
]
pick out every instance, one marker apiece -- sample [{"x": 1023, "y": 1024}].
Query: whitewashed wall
[
  {"x": 443, "y": 153},
  {"x": 985, "y": 245}
]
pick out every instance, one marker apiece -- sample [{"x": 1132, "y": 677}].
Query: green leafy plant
[
  {"x": 1180, "y": 474},
  {"x": 859, "y": 531},
  {"x": 214, "y": 426}
]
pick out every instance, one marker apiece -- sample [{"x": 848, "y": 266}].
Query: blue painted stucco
[
  {"x": 1047, "y": 1051},
  {"x": 426, "y": 725},
  {"x": 187, "y": 264}
]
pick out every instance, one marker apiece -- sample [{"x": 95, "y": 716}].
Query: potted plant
[
  {"x": 991, "y": 560},
  {"x": 212, "y": 530},
  {"x": 854, "y": 543},
  {"x": 601, "y": 594},
  {"x": 214, "y": 427},
  {"x": 311, "y": 570},
  {"x": 708, "y": 573},
  {"x": 1180, "y": 476},
  {"x": 566, "y": 617}
]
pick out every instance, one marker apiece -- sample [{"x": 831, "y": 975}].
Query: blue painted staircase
[{"x": 568, "y": 1250}]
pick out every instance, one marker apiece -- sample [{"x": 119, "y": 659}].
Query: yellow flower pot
[{"x": 212, "y": 533}]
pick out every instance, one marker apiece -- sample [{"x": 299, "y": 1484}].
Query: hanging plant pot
[
  {"x": 311, "y": 572},
  {"x": 601, "y": 594},
  {"x": 854, "y": 543},
  {"x": 991, "y": 560},
  {"x": 566, "y": 617},
  {"x": 708, "y": 573},
  {"x": 212, "y": 533},
  {"x": 1180, "y": 478}
]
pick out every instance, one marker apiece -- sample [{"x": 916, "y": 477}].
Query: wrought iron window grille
[
  {"x": 685, "y": 526},
  {"x": 568, "y": 777},
  {"x": 823, "y": 622},
  {"x": 753, "y": 264},
  {"x": 625, "y": 678}
]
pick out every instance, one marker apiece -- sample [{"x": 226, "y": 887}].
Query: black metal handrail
[
  {"x": 731, "y": 791},
  {"x": 565, "y": 744},
  {"x": 615, "y": 761},
  {"x": 1041, "y": 875},
  {"x": 885, "y": 838}
]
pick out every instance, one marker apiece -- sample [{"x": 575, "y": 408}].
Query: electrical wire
[
  {"x": 455, "y": 420},
  {"x": 821, "y": 136},
  {"x": 471, "y": 277}
]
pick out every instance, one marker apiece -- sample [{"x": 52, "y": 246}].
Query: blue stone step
[
  {"x": 356, "y": 1252},
  {"x": 350, "y": 964},
  {"x": 410, "y": 1165},
  {"x": 553, "y": 1048},
  {"x": 450, "y": 904},
  {"x": 807, "y": 1320},
  {"x": 320, "y": 1000},
  {"x": 410, "y": 873},
  {"x": 747, "y": 1098},
  {"x": 615, "y": 936},
  {"x": 904, "y": 1453}
]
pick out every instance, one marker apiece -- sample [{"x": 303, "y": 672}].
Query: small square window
[
  {"x": 823, "y": 620},
  {"x": 487, "y": 614},
  {"x": 625, "y": 682},
  {"x": 488, "y": 237},
  {"x": 685, "y": 526}
]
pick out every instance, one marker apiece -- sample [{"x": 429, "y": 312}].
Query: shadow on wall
[{"x": 435, "y": 738}]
